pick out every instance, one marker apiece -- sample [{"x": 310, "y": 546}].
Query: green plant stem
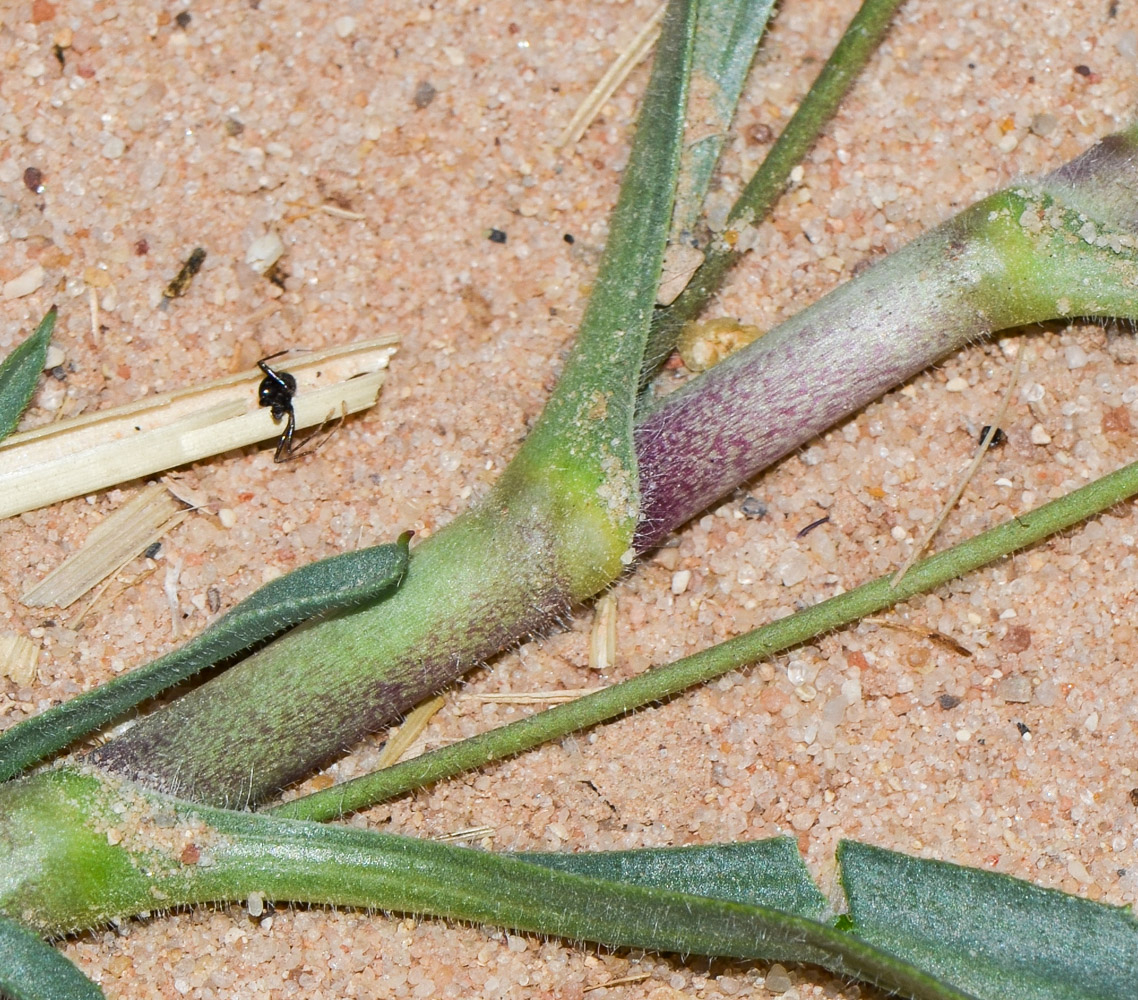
[
  {"x": 557, "y": 527},
  {"x": 81, "y": 848},
  {"x": 860, "y": 40},
  {"x": 543, "y": 537},
  {"x": 664, "y": 682}
]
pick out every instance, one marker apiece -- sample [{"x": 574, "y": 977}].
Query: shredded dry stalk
[
  {"x": 123, "y": 536},
  {"x": 954, "y": 499},
  {"x": 92, "y": 452},
  {"x": 614, "y": 76},
  {"x": 18, "y": 658}
]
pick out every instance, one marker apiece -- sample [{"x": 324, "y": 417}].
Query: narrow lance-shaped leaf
[
  {"x": 727, "y": 37},
  {"x": 333, "y": 584},
  {"x": 758, "y": 872},
  {"x": 857, "y": 44},
  {"x": 20, "y": 373}
]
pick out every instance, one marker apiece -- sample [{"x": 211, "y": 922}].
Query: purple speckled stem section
[
  {"x": 1018, "y": 257},
  {"x": 827, "y": 362}
]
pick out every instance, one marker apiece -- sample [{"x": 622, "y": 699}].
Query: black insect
[{"x": 277, "y": 390}]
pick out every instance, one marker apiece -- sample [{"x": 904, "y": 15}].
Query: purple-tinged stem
[{"x": 1062, "y": 247}]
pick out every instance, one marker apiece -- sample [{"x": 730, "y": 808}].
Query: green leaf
[
  {"x": 727, "y": 36},
  {"x": 990, "y": 935},
  {"x": 20, "y": 372},
  {"x": 334, "y": 584},
  {"x": 757, "y": 873},
  {"x": 31, "y": 969},
  {"x": 849, "y": 57}
]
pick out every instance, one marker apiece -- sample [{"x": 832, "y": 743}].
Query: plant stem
[
  {"x": 1065, "y": 246},
  {"x": 521, "y": 558},
  {"x": 556, "y": 528},
  {"x": 663, "y": 682},
  {"x": 297, "y": 703},
  {"x": 82, "y": 848}
]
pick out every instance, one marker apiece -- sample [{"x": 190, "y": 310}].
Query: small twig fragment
[
  {"x": 623, "y": 981},
  {"x": 616, "y": 74},
  {"x": 182, "y": 280},
  {"x": 467, "y": 835},
  {"x": 342, "y": 213},
  {"x": 945, "y": 641}
]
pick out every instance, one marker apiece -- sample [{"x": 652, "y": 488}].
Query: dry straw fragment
[
  {"x": 18, "y": 657},
  {"x": 602, "y": 635},
  {"x": 400, "y": 741},
  {"x": 536, "y": 697},
  {"x": 614, "y": 76},
  {"x": 123, "y": 536},
  {"x": 93, "y": 452}
]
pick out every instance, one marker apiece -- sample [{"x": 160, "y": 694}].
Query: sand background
[{"x": 435, "y": 123}]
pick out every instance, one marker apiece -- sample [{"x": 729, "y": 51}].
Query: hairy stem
[
  {"x": 663, "y": 682},
  {"x": 509, "y": 568},
  {"x": 1062, "y": 247},
  {"x": 556, "y": 528},
  {"x": 80, "y": 848}
]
